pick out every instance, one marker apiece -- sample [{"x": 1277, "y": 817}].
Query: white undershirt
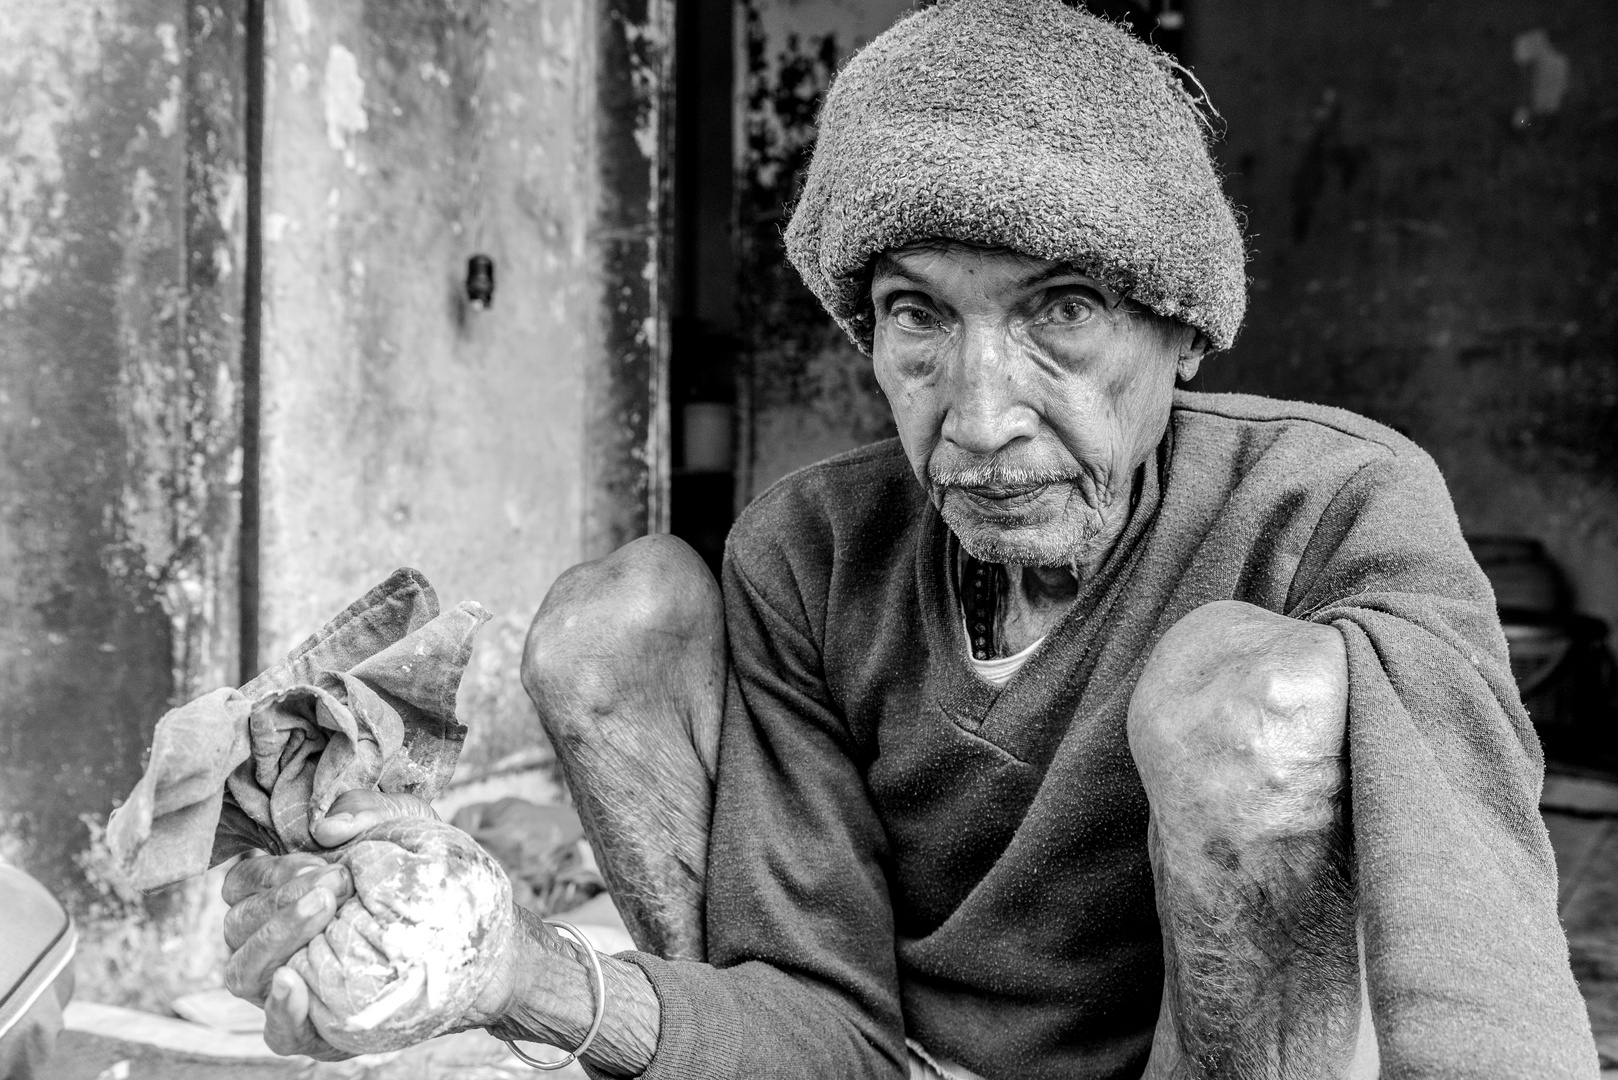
[{"x": 998, "y": 672}]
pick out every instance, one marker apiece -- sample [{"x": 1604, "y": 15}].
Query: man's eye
[
  {"x": 1069, "y": 310},
  {"x": 914, "y": 318}
]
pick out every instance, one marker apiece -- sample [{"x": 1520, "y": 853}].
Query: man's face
[{"x": 1026, "y": 396}]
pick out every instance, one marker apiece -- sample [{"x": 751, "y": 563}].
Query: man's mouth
[{"x": 1004, "y": 496}]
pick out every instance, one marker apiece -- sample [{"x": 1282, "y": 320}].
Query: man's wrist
[
  {"x": 543, "y": 968},
  {"x": 553, "y": 1002}
]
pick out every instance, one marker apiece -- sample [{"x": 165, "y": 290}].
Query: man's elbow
[{"x": 1234, "y": 682}]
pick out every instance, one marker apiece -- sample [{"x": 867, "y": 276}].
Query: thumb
[{"x": 352, "y": 812}]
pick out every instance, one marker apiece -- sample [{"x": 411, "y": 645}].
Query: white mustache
[{"x": 994, "y": 474}]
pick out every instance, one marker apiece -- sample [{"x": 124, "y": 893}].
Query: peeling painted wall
[
  {"x": 121, "y": 201},
  {"x": 1432, "y": 192},
  {"x": 400, "y": 425}
]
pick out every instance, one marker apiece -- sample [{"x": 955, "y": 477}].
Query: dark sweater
[{"x": 900, "y": 849}]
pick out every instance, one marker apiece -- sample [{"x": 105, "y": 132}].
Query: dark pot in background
[{"x": 1559, "y": 657}]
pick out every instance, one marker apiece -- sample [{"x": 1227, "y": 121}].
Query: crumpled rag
[{"x": 367, "y": 702}]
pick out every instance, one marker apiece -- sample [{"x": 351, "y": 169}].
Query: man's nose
[{"x": 987, "y": 408}]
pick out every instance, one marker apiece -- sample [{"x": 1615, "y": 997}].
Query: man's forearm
[
  {"x": 1238, "y": 726},
  {"x": 555, "y": 1002}
]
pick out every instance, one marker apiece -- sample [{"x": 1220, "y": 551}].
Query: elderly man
[{"x": 1088, "y": 727}]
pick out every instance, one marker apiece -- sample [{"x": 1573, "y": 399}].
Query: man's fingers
[
  {"x": 250, "y": 968},
  {"x": 287, "y": 1028},
  {"x": 264, "y": 872},
  {"x": 352, "y": 812},
  {"x": 245, "y": 917},
  {"x": 384, "y": 804}
]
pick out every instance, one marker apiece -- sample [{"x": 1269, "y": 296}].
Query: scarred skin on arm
[{"x": 1238, "y": 726}]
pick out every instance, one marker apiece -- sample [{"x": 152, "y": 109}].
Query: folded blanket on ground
[{"x": 368, "y": 702}]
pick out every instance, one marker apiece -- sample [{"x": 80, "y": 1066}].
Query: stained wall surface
[
  {"x": 1432, "y": 200},
  {"x": 401, "y": 425},
  {"x": 121, "y": 216}
]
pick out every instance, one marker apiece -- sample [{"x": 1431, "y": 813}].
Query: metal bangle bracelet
[{"x": 568, "y": 930}]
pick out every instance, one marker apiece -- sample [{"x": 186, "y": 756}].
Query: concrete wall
[
  {"x": 121, "y": 215},
  {"x": 401, "y": 425},
  {"x": 1433, "y": 226},
  {"x": 121, "y": 269}
]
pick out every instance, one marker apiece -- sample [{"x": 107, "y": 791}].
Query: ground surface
[{"x": 468, "y": 1056}]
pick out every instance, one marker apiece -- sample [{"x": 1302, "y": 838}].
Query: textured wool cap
[{"x": 1028, "y": 125}]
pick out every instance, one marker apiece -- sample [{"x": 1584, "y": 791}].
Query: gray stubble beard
[{"x": 1077, "y": 551}]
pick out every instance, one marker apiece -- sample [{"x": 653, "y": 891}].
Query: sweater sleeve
[
  {"x": 803, "y": 978},
  {"x": 1467, "y": 964}
]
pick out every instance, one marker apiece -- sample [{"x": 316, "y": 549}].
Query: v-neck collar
[{"x": 972, "y": 702}]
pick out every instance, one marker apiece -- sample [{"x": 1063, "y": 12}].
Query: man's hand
[
  {"x": 540, "y": 987},
  {"x": 352, "y": 812},
  {"x": 278, "y": 904}
]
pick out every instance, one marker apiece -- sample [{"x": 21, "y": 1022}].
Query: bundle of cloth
[{"x": 368, "y": 702}]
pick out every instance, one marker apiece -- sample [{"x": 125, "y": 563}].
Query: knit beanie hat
[{"x": 1028, "y": 125}]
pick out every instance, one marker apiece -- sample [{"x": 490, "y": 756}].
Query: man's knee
[
  {"x": 626, "y": 658},
  {"x": 1241, "y": 710},
  {"x": 651, "y": 597}
]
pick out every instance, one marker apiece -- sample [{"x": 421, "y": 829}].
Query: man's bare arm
[{"x": 1238, "y": 728}]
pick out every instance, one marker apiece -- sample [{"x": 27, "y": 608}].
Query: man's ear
[{"x": 1191, "y": 357}]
